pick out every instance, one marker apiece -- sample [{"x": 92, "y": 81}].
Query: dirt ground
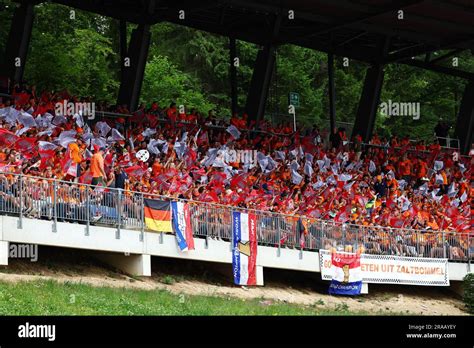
[{"x": 192, "y": 278}]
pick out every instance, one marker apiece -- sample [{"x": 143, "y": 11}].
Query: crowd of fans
[{"x": 180, "y": 153}]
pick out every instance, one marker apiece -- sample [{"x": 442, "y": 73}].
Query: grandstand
[{"x": 86, "y": 180}]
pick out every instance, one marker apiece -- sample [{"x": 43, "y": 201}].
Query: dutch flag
[
  {"x": 244, "y": 252},
  {"x": 347, "y": 276},
  {"x": 181, "y": 219}
]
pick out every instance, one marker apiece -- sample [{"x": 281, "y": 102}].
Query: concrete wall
[
  {"x": 154, "y": 244},
  {"x": 104, "y": 239}
]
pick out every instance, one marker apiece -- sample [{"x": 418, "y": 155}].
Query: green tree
[{"x": 165, "y": 83}]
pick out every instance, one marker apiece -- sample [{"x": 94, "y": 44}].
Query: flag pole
[{"x": 294, "y": 121}]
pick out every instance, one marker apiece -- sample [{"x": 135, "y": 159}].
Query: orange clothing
[
  {"x": 97, "y": 162},
  {"x": 75, "y": 153},
  {"x": 156, "y": 169},
  {"x": 393, "y": 184},
  {"x": 433, "y": 225},
  {"x": 445, "y": 178},
  {"x": 421, "y": 169},
  {"x": 405, "y": 167}
]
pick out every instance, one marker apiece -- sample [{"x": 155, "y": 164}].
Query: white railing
[{"x": 61, "y": 201}]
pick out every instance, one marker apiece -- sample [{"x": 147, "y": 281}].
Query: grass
[{"x": 53, "y": 298}]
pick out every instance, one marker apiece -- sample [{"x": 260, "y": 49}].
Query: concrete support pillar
[
  {"x": 260, "y": 276},
  {"x": 331, "y": 92},
  {"x": 4, "y": 253},
  {"x": 260, "y": 83},
  {"x": 262, "y": 75},
  {"x": 365, "y": 289},
  {"x": 233, "y": 75},
  {"x": 465, "y": 121},
  {"x": 134, "y": 67},
  {"x": 369, "y": 102},
  {"x": 133, "y": 264},
  {"x": 123, "y": 46}
]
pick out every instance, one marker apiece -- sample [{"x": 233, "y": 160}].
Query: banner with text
[{"x": 388, "y": 269}]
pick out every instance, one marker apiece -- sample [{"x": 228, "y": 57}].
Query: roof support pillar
[
  {"x": 331, "y": 92},
  {"x": 262, "y": 75},
  {"x": 369, "y": 101},
  {"x": 233, "y": 75},
  {"x": 134, "y": 67},
  {"x": 370, "y": 97},
  {"x": 465, "y": 120},
  {"x": 260, "y": 83},
  {"x": 123, "y": 45}
]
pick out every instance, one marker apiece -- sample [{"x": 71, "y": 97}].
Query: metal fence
[{"x": 42, "y": 198}]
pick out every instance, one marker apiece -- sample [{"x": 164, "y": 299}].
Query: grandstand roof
[{"x": 351, "y": 28}]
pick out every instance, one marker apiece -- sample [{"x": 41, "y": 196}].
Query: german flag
[{"x": 158, "y": 215}]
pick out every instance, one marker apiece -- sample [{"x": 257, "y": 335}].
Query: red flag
[
  {"x": 190, "y": 157},
  {"x": 45, "y": 156},
  {"x": 396, "y": 222},
  {"x": 22, "y": 98},
  {"x": 308, "y": 145},
  {"x": 239, "y": 181},
  {"x": 124, "y": 159},
  {"x": 66, "y": 162},
  {"x": 210, "y": 196},
  {"x": 444, "y": 225},
  {"x": 390, "y": 204},
  {"x": 460, "y": 223},
  {"x": 25, "y": 145},
  {"x": 283, "y": 238},
  {"x": 235, "y": 198},
  {"x": 316, "y": 213},
  {"x": 7, "y": 138},
  {"x": 198, "y": 171},
  {"x": 413, "y": 211},
  {"x": 108, "y": 161},
  {"x": 218, "y": 179},
  {"x": 361, "y": 200},
  {"x": 86, "y": 178},
  {"x": 175, "y": 185},
  {"x": 343, "y": 215},
  {"x": 452, "y": 212},
  {"x": 170, "y": 173},
  {"x": 134, "y": 171}
]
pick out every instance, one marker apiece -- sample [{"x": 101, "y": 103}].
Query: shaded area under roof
[{"x": 350, "y": 28}]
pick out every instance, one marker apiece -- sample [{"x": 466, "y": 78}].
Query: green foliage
[
  {"x": 72, "y": 54},
  {"x": 165, "y": 83},
  {"x": 301, "y": 70},
  {"x": 53, "y": 298},
  {"x": 439, "y": 97},
  {"x": 468, "y": 287},
  {"x": 6, "y": 13},
  {"x": 167, "y": 279}
]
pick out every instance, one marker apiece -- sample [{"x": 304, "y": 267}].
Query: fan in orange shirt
[
  {"x": 157, "y": 167},
  {"x": 405, "y": 168}
]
